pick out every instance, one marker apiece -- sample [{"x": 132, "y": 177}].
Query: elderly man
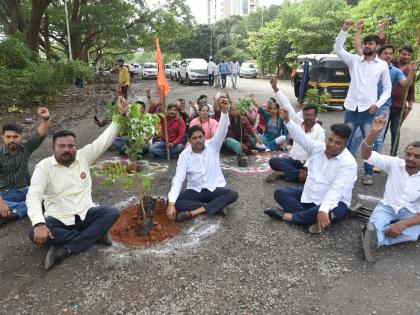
[
  {"x": 14, "y": 173},
  {"x": 332, "y": 171},
  {"x": 199, "y": 162},
  {"x": 291, "y": 168},
  {"x": 396, "y": 218},
  {"x": 71, "y": 222}
]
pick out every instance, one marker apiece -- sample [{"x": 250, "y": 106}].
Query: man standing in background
[{"x": 210, "y": 70}]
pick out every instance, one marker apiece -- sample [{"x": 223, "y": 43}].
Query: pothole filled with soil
[{"x": 125, "y": 230}]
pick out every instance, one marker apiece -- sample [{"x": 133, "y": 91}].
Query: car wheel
[
  {"x": 180, "y": 80},
  {"x": 188, "y": 80},
  {"x": 172, "y": 78}
]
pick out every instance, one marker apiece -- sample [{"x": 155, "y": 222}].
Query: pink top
[{"x": 209, "y": 126}]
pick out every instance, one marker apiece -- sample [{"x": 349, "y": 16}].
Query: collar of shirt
[{"x": 362, "y": 58}]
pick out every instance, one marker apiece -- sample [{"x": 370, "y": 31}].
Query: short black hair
[
  {"x": 12, "y": 127},
  {"x": 341, "y": 130},
  {"x": 141, "y": 103},
  {"x": 171, "y": 105},
  {"x": 181, "y": 100},
  {"x": 273, "y": 99},
  {"x": 309, "y": 107},
  {"x": 406, "y": 48},
  {"x": 371, "y": 38},
  {"x": 414, "y": 144},
  {"x": 193, "y": 129},
  {"x": 203, "y": 105},
  {"x": 62, "y": 134},
  {"x": 201, "y": 97},
  {"x": 386, "y": 46},
  {"x": 120, "y": 60}
]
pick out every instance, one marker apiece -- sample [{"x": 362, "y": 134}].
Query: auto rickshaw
[{"x": 327, "y": 73}]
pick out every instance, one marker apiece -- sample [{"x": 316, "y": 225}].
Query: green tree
[
  {"x": 260, "y": 17},
  {"x": 227, "y": 30}
]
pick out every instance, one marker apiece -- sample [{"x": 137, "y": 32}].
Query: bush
[{"x": 24, "y": 77}]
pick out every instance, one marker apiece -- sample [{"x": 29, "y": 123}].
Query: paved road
[{"x": 242, "y": 264}]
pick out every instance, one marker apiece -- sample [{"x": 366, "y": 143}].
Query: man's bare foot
[{"x": 287, "y": 217}]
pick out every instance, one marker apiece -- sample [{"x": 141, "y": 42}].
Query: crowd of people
[
  {"x": 58, "y": 197},
  {"x": 219, "y": 71}
]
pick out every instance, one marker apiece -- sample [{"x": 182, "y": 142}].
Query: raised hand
[
  {"x": 122, "y": 105},
  {"x": 285, "y": 114},
  {"x": 360, "y": 24},
  {"x": 379, "y": 123},
  {"x": 224, "y": 105},
  {"x": 273, "y": 82},
  {"x": 43, "y": 113},
  {"x": 413, "y": 66},
  {"x": 347, "y": 24}
]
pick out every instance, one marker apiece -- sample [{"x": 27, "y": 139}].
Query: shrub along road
[{"x": 243, "y": 263}]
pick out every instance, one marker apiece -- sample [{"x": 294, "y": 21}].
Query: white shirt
[
  {"x": 66, "y": 191},
  {"x": 211, "y": 66},
  {"x": 365, "y": 76},
  {"x": 201, "y": 169},
  {"x": 316, "y": 133},
  {"x": 235, "y": 68},
  {"x": 401, "y": 190},
  {"x": 216, "y": 69},
  {"x": 329, "y": 181}
]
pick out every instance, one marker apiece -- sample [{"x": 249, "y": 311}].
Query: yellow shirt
[
  {"x": 124, "y": 76},
  {"x": 66, "y": 191}
]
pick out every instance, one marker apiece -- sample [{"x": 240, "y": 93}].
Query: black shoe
[
  {"x": 106, "y": 239},
  {"x": 55, "y": 255},
  {"x": 183, "y": 216},
  {"x": 12, "y": 217},
  {"x": 370, "y": 243},
  {"x": 275, "y": 213}
]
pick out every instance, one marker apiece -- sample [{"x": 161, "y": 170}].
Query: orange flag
[{"x": 162, "y": 82}]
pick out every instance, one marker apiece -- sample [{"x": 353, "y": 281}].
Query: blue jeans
[
  {"x": 288, "y": 166},
  {"x": 356, "y": 120},
  {"x": 383, "y": 215},
  {"x": 16, "y": 200},
  {"x": 378, "y": 145},
  {"x": 82, "y": 234},
  {"x": 305, "y": 213},
  {"x": 159, "y": 149},
  {"x": 212, "y": 201}
]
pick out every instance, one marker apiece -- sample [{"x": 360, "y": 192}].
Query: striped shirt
[{"x": 14, "y": 172}]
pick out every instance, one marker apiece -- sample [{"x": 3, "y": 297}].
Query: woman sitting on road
[
  {"x": 208, "y": 124},
  {"x": 275, "y": 134}
]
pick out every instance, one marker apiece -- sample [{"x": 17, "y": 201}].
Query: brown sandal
[{"x": 271, "y": 177}]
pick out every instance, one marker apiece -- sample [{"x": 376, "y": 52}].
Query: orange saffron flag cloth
[{"x": 162, "y": 82}]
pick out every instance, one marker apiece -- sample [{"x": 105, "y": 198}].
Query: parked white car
[
  {"x": 193, "y": 70},
  {"x": 248, "y": 70},
  {"x": 136, "y": 68},
  {"x": 167, "y": 67},
  {"x": 150, "y": 70},
  {"x": 174, "y": 70}
]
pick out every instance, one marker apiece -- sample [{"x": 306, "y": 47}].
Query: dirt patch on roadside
[{"x": 125, "y": 229}]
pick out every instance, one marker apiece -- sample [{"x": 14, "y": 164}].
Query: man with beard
[
  {"x": 396, "y": 218},
  {"x": 398, "y": 94},
  {"x": 397, "y": 78},
  {"x": 14, "y": 173},
  {"x": 175, "y": 127},
  {"x": 326, "y": 195},
  {"x": 291, "y": 167},
  {"x": 71, "y": 222},
  {"x": 365, "y": 72},
  {"x": 199, "y": 162}
]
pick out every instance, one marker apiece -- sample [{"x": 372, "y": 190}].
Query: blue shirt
[
  {"x": 396, "y": 76},
  {"x": 224, "y": 68}
]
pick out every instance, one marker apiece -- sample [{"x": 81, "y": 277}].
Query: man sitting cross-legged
[
  {"x": 199, "y": 162},
  {"x": 332, "y": 171},
  {"x": 396, "y": 218},
  {"x": 176, "y": 131},
  {"x": 14, "y": 173},
  {"x": 71, "y": 222},
  {"x": 291, "y": 167}
]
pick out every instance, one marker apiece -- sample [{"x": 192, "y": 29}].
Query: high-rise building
[{"x": 220, "y": 9}]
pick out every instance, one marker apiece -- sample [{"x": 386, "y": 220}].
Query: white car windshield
[
  {"x": 249, "y": 65},
  {"x": 150, "y": 66},
  {"x": 198, "y": 64}
]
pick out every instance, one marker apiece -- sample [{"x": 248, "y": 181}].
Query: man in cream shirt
[{"x": 71, "y": 222}]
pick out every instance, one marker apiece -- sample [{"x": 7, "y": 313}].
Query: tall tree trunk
[{"x": 32, "y": 33}]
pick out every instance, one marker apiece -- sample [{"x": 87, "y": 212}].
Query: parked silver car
[
  {"x": 174, "y": 70},
  {"x": 248, "y": 70},
  {"x": 150, "y": 70}
]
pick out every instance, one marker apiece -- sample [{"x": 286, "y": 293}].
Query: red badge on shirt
[{"x": 82, "y": 175}]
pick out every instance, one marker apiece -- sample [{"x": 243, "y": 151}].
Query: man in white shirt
[
  {"x": 366, "y": 72},
  {"x": 71, "y": 222},
  {"x": 396, "y": 218},
  {"x": 291, "y": 167},
  {"x": 199, "y": 162},
  {"x": 211, "y": 66},
  {"x": 234, "y": 71},
  {"x": 326, "y": 195}
]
